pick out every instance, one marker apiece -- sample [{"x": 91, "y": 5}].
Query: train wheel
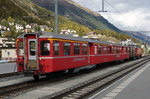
[
  {"x": 71, "y": 71},
  {"x": 36, "y": 77}
]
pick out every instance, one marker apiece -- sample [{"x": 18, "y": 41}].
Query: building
[
  {"x": 19, "y": 27},
  {"x": 69, "y": 32},
  {"x": 28, "y": 26},
  {"x": 91, "y": 35},
  {"x": 9, "y": 53},
  {"x": 5, "y": 42},
  {"x": 128, "y": 42},
  {"x": 44, "y": 27}
]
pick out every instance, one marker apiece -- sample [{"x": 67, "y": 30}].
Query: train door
[{"x": 31, "y": 52}]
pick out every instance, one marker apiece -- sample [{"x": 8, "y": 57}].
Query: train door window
[
  {"x": 45, "y": 48},
  {"x": 105, "y": 49},
  {"x": 76, "y": 48},
  {"x": 32, "y": 48},
  {"x": 95, "y": 49},
  {"x": 99, "y": 49},
  {"x": 84, "y": 49},
  {"x": 66, "y": 48},
  {"x": 56, "y": 48},
  {"x": 20, "y": 46}
]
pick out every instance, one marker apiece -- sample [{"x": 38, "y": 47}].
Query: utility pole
[
  {"x": 103, "y": 7},
  {"x": 56, "y": 16}
]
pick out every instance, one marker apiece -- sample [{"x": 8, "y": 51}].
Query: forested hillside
[
  {"x": 25, "y": 12},
  {"x": 79, "y": 14}
]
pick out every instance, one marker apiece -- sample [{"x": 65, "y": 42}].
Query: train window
[
  {"x": 120, "y": 50},
  {"x": 66, "y": 48},
  {"x": 84, "y": 48},
  {"x": 20, "y": 46},
  {"x": 76, "y": 48},
  {"x": 45, "y": 48},
  {"x": 105, "y": 49},
  {"x": 109, "y": 49},
  {"x": 115, "y": 50},
  {"x": 99, "y": 49},
  {"x": 126, "y": 50},
  {"x": 32, "y": 48},
  {"x": 56, "y": 48},
  {"x": 95, "y": 49}
]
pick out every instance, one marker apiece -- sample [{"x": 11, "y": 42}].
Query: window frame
[
  {"x": 66, "y": 54},
  {"x": 78, "y": 48},
  {"x": 49, "y": 47},
  {"x": 86, "y": 48},
  {"x": 58, "y": 48},
  {"x": 19, "y": 49},
  {"x": 100, "y": 48}
]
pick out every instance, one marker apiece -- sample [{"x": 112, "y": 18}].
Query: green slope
[{"x": 81, "y": 15}]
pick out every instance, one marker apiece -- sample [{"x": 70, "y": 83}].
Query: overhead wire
[{"x": 118, "y": 10}]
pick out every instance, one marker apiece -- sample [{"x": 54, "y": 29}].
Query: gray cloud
[{"x": 125, "y": 14}]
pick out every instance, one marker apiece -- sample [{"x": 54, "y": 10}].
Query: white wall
[{"x": 9, "y": 53}]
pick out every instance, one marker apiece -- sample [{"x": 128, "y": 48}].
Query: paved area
[
  {"x": 133, "y": 86},
  {"x": 7, "y": 67}
]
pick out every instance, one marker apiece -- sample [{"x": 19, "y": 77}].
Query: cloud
[{"x": 125, "y": 14}]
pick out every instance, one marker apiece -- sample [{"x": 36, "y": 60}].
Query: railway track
[
  {"x": 84, "y": 89},
  {"x": 11, "y": 90},
  {"x": 9, "y": 74},
  {"x": 7, "y": 91}
]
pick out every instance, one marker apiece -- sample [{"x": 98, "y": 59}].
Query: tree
[
  {"x": 7, "y": 34},
  {"x": 4, "y": 23},
  {"x": 10, "y": 19},
  {"x": 13, "y": 32},
  {"x": 37, "y": 28}
]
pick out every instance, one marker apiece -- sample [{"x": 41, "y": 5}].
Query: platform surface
[{"x": 135, "y": 85}]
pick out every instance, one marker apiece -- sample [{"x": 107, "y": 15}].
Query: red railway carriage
[
  {"x": 47, "y": 52},
  {"x": 44, "y": 53},
  {"x": 138, "y": 52}
]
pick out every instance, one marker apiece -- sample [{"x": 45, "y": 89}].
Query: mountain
[
  {"x": 8, "y": 8},
  {"x": 79, "y": 14},
  {"x": 25, "y": 10},
  {"x": 139, "y": 35}
]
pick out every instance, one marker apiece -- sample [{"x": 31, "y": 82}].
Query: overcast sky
[{"x": 125, "y": 14}]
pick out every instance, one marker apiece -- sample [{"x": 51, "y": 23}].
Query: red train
[{"x": 45, "y": 53}]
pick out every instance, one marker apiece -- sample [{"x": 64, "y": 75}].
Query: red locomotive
[{"x": 45, "y": 53}]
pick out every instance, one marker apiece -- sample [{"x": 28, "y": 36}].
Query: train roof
[{"x": 66, "y": 37}]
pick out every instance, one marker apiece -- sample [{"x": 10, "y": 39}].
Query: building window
[
  {"x": 66, "y": 48},
  {"x": 20, "y": 46},
  {"x": 45, "y": 48},
  {"x": 76, "y": 48},
  {"x": 84, "y": 49},
  {"x": 95, "y": 49},
  {"x": 99, "y": 49},
  {"x": 56, "y": 48}
]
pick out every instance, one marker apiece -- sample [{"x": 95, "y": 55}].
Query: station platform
[
  {"x": 135, "y": 85},
  {"x": 8, "y": 68}
]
